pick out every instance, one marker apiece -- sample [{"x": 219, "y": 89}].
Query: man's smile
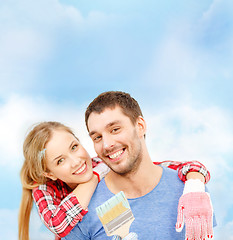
[{"x": 116, "y": 155}]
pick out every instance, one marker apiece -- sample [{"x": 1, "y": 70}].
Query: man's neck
[{"x": 135, "y": 184}]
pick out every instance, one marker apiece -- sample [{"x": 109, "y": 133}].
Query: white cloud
[
  {"x": 192, "y": 132},
  {"x": 21, "y": 52},
  {"x": 18, "y": 114},
  {"x": 174, "y": 63},
  {"x": 186, "y": 133},
  {"x": 217, "y": 8},
  {"x": 192, "y": 51},
  {"x": 37, "y": 230},
  {"x": 225, "y": 232},
  {"x": 9, "y": 222},
  {"x": 31, "y": 35}
]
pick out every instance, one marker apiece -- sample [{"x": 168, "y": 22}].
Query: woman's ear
[
  {"x": 50, "y": 175},
  {"x": 141, "y": 124}
]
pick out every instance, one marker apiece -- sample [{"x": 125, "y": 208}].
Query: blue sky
[{"x": 174, "y": 57}]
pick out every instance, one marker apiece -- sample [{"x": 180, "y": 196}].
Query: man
[{"x": 116, "y": 125}]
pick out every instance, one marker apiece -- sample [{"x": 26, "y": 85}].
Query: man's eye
[
  {"x": 60, "y": 161},
  {"x": 115, "y": 130},
  {"x": 97, "y": 138}
]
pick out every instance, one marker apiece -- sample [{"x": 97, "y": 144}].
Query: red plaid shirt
[
  {"x": 185, "y": 167},
  {"x": 60, "y": 210}
]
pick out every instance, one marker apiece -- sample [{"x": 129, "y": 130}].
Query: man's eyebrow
[
  {"x": 92, "y": 133},
  {"x": 107, "y": 126},
  {"x": 112, "y": 123}
]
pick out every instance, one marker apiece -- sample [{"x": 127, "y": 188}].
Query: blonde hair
[{"x": 31, "y": 173}]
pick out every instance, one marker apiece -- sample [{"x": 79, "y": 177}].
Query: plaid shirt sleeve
[
  {"x": 59, "y": 213},
  {"x": 185, "y": 167}
]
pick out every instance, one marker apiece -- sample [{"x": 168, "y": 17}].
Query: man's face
[{"x": 117, "y": 141}]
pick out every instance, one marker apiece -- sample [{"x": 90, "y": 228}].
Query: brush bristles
[{"x": 113, "y": 208}]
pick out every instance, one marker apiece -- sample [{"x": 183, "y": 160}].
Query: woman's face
[{"x": 67, "y": 160}]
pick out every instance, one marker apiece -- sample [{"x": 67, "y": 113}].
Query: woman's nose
[{"x": 75, "y": 160}]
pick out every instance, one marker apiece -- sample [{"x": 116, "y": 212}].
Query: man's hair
[{"x": 112, "y": 99}]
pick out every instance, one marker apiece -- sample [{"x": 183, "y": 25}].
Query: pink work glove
[{"x": 195, "y": 210}]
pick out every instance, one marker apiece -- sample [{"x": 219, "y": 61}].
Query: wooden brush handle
[{"x": 123, "y": 231}]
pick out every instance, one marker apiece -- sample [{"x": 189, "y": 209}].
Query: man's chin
[{"x": 121, "y": 170}]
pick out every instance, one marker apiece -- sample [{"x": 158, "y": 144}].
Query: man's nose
[{"x": 108, "y": 143}]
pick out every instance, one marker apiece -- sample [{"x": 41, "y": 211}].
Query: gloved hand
[
  {"x": 101, "y": 170},
  {"x": 195, "y": 210},
  {"x": 130, "y": 236}
]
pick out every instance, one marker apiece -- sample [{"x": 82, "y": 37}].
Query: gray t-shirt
[{"x": 155, "y": 213}]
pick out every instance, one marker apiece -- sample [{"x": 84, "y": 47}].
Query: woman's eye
[
  {"x": 74, "y": 147},
  {"x": 60, "y": 161}
]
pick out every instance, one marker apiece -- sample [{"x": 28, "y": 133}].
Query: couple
[{"x": 116, "y": 126}]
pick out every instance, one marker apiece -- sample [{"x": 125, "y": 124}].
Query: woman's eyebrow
[{"x": 57, "y": 158}]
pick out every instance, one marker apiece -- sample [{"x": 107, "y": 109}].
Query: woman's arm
[
  {"x": 195, "y": 175},
  {"x": 188, "y": 170},
  {"x": 84, "y": 191},
  {"x": 58, "y": 210},
  {"x": 61, "y": 211},
  {"x": 195, "y": 207}
]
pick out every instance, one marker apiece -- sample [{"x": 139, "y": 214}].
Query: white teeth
[
  {"x": 117, "y": 154},
  {"x": 80, "y": 169}
]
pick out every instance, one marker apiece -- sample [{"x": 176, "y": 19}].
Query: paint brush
[{"x": 115, "y": 215}]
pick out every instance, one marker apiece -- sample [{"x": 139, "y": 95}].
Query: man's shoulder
[
  {"x": 170, "y": 180},
  {"x": 101, "y": 194},
  {"x": 170, "y": 173}
]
